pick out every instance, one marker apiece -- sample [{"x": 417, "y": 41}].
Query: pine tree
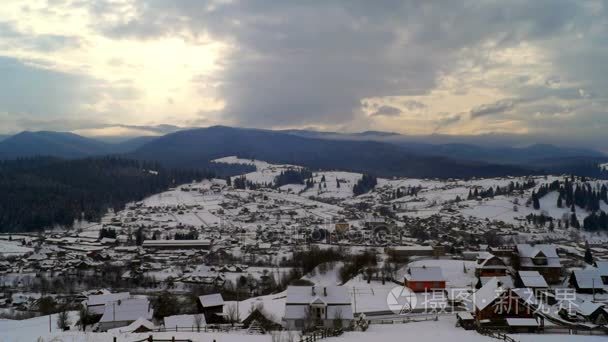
[
  {"x": 588, "y": 255},
  {"x": 559, "y": 201},
  {"x": 535, "y": 202},
  {"x": 574, "y": 221}
]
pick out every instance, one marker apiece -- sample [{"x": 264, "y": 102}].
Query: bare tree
[
  {"x": 338, "y": 319},
  {"x": 198, "y": 321},
  {"x": 231, "y": 313},
  {"x": 63, "y": 319}
]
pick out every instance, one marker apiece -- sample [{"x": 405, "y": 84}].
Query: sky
[{"x": 530, "y": 69}]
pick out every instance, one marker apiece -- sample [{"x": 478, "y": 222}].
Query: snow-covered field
[
  {"x": 444, "y": 330},
  {"x": 13, "y": 248}
]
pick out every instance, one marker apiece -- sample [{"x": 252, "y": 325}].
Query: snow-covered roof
[
  {"x": 465, "y": 315},
  {"x": 425, "y": 273},
  {"x": 127, "y": 310},
  {"x": 586, "y": 308},
  {"x": 182, "y": 321},
  {"x": 101, "y": 299},
  {"x": 522, "y": 322},
  {"x": 602, "y": 266},
  {"x": 140, "y": 322},
  {"x": 589, "y": 279},
  {"x": 211, "y": 300},
  {"x": 412, "y": 248},
  {"x": 330, "y": 295},
  {"x": 532, "y": 279},
  {"x": 506, "y": 281},
  {"x": 488, "y": 293},
  {"x": 528, "y": 252}
]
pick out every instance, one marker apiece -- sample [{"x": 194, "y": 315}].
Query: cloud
[
  {"x": 447, "y": 120},
  {"x": 295, "y": 64},
  {"x": 499, "y": 107},
  {"x": 10, "y": 36},
  {"x": 387, "y": 111}
]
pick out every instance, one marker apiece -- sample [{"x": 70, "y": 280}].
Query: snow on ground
[
  {"x": 430, "y": 331},
  {"x": 329, "y": 188},
  {"x": 265, "y": 172},
  {"x": 370, "y": 297},
  {"x": 11, "y": 248},
  {"x": 327, "y": 274},
  {"x": 30, "y": 329},
  {"x": 127, "y": 337},
  {"x": 273, "y": 305},
  {"x": 444, "y": 330}
]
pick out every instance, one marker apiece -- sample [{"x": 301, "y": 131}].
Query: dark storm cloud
[{"x": 312, "y": 62}]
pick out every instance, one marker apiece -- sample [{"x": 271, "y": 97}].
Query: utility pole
[
  {"x": 50, "y": 323},
  {"x": 355, "y": 298}
]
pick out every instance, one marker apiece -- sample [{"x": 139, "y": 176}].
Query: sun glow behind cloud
[
  {"x": 522, "y": 67},
  {"x": 147, "y": 81}
]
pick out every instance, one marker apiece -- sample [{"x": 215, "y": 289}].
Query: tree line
[{"x": 42, "y": 192}]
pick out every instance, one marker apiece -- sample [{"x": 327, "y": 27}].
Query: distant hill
[
  {"x": 64, "y": 145},
  {"x": 196, "y": 147},
  {"x": 45, "y": 143},
  {"x": 131, "y": 144},
  {"x": 462, "y": 151}
]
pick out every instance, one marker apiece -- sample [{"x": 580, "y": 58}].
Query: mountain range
[{"x": 382, "y": 153}]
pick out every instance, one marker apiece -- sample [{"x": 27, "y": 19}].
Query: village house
[
  {"x": 310, "y": 306},
  {"x": 422, "y": 279},
  {"x": 541, "y": 258},
  {"x": 123, "y": 312},
  {"x": 497, "y": 306},
  {"x": 588, "y": 281},
  {"x": 177, "y": 244},
  {"x": 96, "y": 303},
  {"x": 532, "y": 280},
  {"x": 212, "y": 307},
  {"x": 489, "y": 265}
]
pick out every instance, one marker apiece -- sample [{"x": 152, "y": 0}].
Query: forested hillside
[{"x": 42, "y": 192}]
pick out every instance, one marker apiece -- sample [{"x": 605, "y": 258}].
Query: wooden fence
[
  {"x": 496, "y": 334},
  {"x": 321, "y": 334},
  {"x": 152, "y": 339}
]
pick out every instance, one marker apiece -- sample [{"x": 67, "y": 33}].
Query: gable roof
[
  {"x": 602, "y": 266},
  {"x": 532, "y": 279},
  {"x": 528, "y": 252},
  {"x": 211, "y": 300},
  {"x": 139, "y": 323},
  {"x": 488, "y": 293},
  {"x": 127, "y": 310},
  {"x": 331, "y": 295},
  {"x": 102, "y": 299},
  {"x": 588, "y": 279},
  {"x": 425, "y": 273}
]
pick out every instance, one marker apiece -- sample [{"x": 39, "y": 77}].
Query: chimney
[
  {"x": 325, "y": 291},
  {"x": 313, "y": 290}
]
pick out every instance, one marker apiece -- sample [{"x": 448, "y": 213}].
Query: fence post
[
  {"x": 172, "y": 338},
  {"x": 150, "y": 338}
]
